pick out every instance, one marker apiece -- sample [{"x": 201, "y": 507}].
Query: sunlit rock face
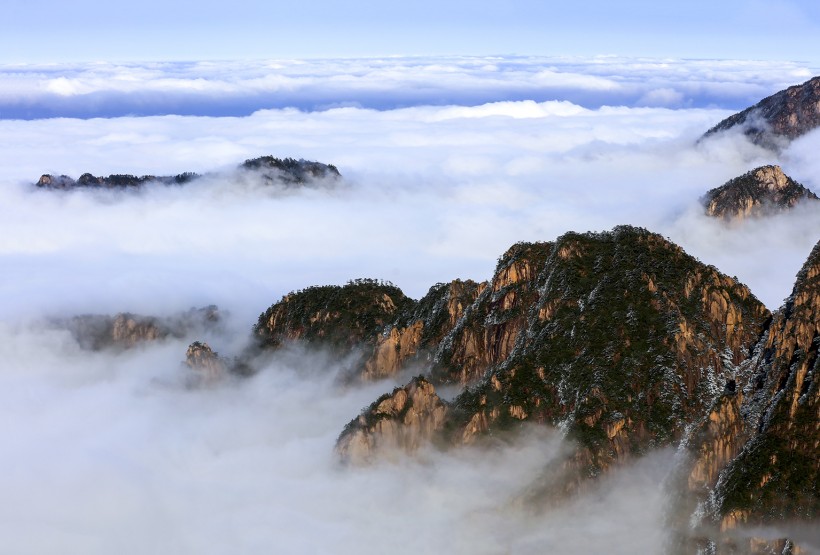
[
  {"x": 455, "y": 332},
  {"x": 628, "y": 340},
  {"x": 125, "y": 330},
  {"x": 290, "y": 171},
  {"x": 762, "y": 191},
  {"x": 776, "y": 474},
  {"x": 619, "y": 338},
  {"x": 397, "y": 422},
  {"x": 268, "y": 169},
  {"x": 778, "y": 119}
]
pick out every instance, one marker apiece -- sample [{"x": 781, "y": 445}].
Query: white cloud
[
  {"x": 239, "y": 88},
  {"x": 431, "y": 194},
  {"x": 112, "y": 453}
]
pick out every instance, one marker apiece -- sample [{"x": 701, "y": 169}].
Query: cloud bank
[
  {"x": 430, "y": 194},
  {"x": 111, "y": 452},
  {"x": 146, "y": 465},
  {"x": 32, "y": 91}
]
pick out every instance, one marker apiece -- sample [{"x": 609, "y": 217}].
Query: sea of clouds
[
  {"x": 110, "y": 452},
  {"x": 222, "y": 88}
]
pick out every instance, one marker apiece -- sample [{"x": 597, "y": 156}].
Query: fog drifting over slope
[{"x": 110, "y": 452}]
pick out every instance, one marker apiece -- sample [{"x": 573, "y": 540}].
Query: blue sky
[{"x": 91, "y": 30}]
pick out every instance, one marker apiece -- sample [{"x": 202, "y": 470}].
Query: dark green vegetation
[
  {"x": 115, "y": 181},
  {"x": 289, "y": 170},
  {"x": 283, "y": 171},
  {"x": 620, "y": 339},
  {"x": 623, "y": 344},
  {"x": 340, "y": 317}
]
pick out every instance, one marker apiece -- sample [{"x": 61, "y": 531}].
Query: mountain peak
[
  {"x": 778, "y": 119},
  {"x": 761, "y": 191}
]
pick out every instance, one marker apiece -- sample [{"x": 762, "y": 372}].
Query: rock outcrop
[
  {"x": 208, "y": 366},
  {"x": 271, "y": 170},
  {"x": 776, "y": 474},
  {"x": 456, "y": 332},
  {"x": 401, "y": 421},
  {"x": 778, "y": 119},
  {"x": 762, "y": 191},
  {"x": 125, "y": 330},
  {"x": 628, "y": 341}
]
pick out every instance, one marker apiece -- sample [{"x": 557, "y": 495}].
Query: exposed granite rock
[
  {"x": 776, "y": 474},
  {"x": 716, "y": 442},
  {"x": 619, "y": 338},
  {"x": 487, "y": 332},
  {"x": 207, "y": 364},
  {"x": 125, "y": 330},
  {"x": 764, "y": 190},
  {"x": 457, "y": 331},
  {"x": 351, "y": 321},
  {"x": 287, "y": 171},
  {"x": 778, "y": 119},
  {"x": 403, "y": 420}
]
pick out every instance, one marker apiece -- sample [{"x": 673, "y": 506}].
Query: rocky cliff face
[
  {"x": 764, "y": 190},
  {"x": 455, "y": 332},
  {"x": 629, "y": 340},
  {"x": 400, "y": 421},
  {"x": 628, "y": 344},
  {"x": 778, "y": 119},
  {"x": 754, "y": 458},
  {"x": 775, "y": 476},
  {"x": 271, "y": 170},
  {"x": 619, "y": 338},
  {"x": 415, "y": 337}
]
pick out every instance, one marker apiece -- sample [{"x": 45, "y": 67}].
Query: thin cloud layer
[{"x": 241, "y": 88}]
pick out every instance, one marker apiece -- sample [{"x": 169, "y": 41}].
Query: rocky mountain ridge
[
  {"x": 283, "y": 171},
  {"x": 777, "y": 119},
  {"x": 622, "y": 341}
]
